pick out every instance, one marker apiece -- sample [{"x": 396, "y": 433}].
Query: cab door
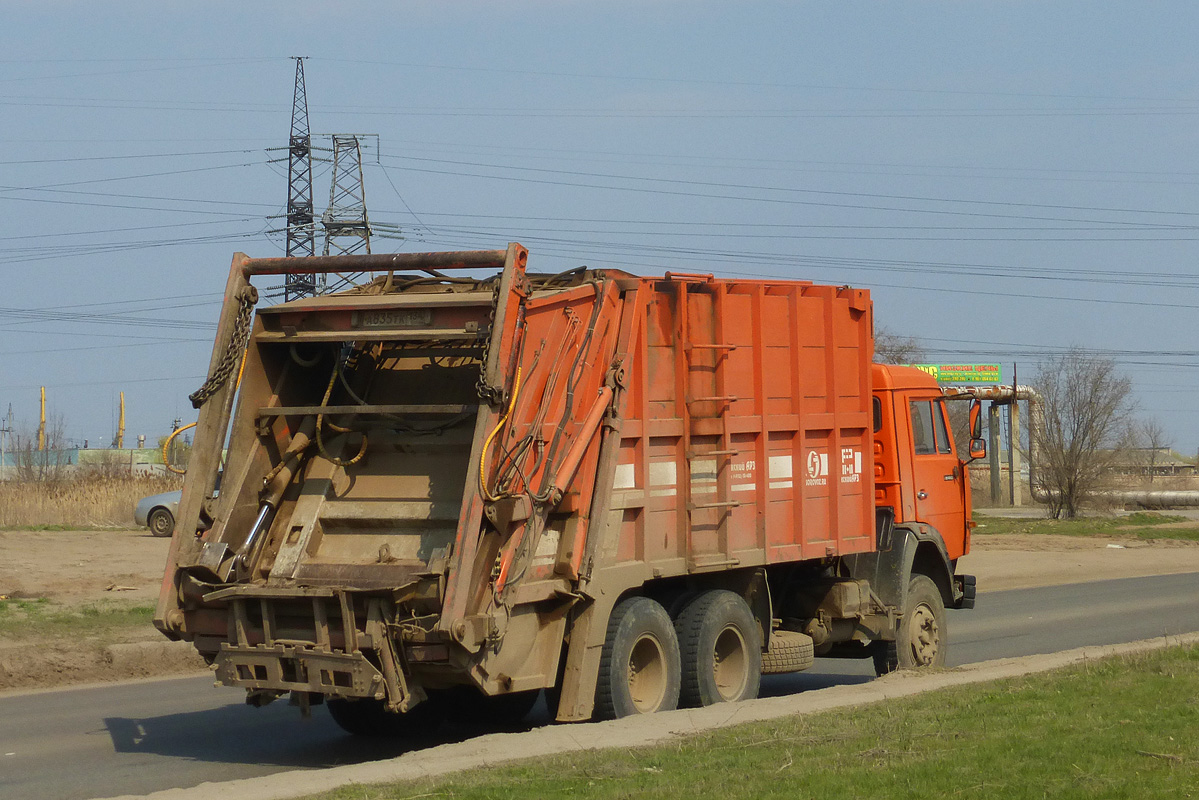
[{"x": 936, "y": 471}]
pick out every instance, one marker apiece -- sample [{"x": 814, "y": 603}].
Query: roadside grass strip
[
  {"x": 39, "y": 618},
  {"x": 1145, "y": 525},
  {"x": 1111, "y": 721},
  {"x": 1120, "y": 727}
]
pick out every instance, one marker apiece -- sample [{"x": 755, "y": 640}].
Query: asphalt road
[{"x": 141, "y": 737}]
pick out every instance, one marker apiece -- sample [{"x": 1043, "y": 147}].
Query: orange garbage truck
[{"x": 463, "y": 483}]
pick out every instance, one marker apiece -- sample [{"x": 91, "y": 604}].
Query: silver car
[{"x": 157, "y": 512}]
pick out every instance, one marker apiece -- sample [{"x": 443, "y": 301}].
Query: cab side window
[
  {"x": 942, "y": 431},
  {"x": 923, "y": 442}
]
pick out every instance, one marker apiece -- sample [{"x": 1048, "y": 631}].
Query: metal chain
[
  {"x": 485, "y": 392},
  {"x": 237, "y": 345}
]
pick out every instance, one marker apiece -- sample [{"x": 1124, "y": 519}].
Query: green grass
[
  {"x": 40, "y": 618},
  {"x": 1118, "y": 728},
  {"x": 1140, "y": 525}
]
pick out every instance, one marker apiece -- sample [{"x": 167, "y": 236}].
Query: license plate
[{"x": 397, "y": 318}]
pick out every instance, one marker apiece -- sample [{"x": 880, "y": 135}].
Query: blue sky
[{"x": 1008, "y": 179}]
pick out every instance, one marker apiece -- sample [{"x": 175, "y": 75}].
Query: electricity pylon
[
  {"x": 301, "y": 228},
  {"x": 347, "y": 227}
]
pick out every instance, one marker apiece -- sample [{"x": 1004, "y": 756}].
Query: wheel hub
[
  {"x": 730, "y": 663},
  {"x": 926, "y": 636},
  {"x": 647, "y": 674}
]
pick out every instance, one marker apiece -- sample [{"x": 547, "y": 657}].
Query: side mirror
[
  {"x": 976, "y": 420},
  {"x": 978, "y": 445},
  {"x": 978, "y": 448}
]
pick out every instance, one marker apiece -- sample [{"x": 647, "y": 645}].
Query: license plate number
[{"x": 397, "y": 318}]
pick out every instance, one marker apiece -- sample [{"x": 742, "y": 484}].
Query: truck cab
[{"x": 921, "y": 486}]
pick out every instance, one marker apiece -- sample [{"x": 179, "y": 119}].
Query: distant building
[
  {"x": 1153, "y": 462},
  {"x": 65, "y": 462}
]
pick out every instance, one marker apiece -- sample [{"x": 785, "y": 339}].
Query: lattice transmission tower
[
  {"x": 301, "y": 227},
  {"x": 347, "y": 226}
]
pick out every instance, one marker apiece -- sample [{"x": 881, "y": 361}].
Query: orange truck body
[{"x": 501, "y": 485}]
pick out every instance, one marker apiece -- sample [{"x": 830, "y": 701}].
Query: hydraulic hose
[{"x": 487, "y": 495}]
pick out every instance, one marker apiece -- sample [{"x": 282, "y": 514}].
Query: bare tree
[
  {"x": 1085, "y": 426},
  {"x": 1151, "y": 440},
  {"x": 891, "y": 348},
  {"x": 49, "y": 464}
]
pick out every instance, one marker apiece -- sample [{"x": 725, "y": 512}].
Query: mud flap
[{"x": 965, "y": 588}]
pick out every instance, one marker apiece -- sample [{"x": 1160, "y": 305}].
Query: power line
[
  {"x": 760, "y": 84},
  {"x": 741, "y": 162},
  {"x": 169, "y": 67},
  {"x": 75, "y": 251},
  {"x": 858, "y": 263},
  {"x": 793, "y": 190},
  {"x": 120, "y": 382},
  {"x": 61, "y": 234},
  {"x": 140, "y": 157},
  {"x": 49, "y": 186},
  {"x": 156, "y": 343},
  {"x": 741, "y": 257}
]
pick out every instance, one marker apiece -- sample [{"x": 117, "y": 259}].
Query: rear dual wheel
[
  {"x": 639, "y": 669},
  {"x": 711, "y": 654},
  {"x": 721, "y": 650}
]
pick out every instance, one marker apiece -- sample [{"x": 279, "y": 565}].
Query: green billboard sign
[{"x": 963, "y": 373}]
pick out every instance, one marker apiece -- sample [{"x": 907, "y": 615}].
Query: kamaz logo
[{"x": 817, "y": 468}]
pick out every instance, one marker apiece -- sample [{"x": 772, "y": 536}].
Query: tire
[
  {"x": 161, "y": 522},
  {"x": 639, "y": 670},
  {"x": 922, "y": 634},
  {"x": 886, "y": 657},
  {"x": 721, "y": 650},
  {"x": 370, "y": 718},
  {"x": 789, "y": 651}
]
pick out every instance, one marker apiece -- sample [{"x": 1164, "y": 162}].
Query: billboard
[{"x": 963, "y": 373}]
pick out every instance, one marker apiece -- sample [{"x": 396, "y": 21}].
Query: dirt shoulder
[
  {"x": 79, "y": 570},
  {"x": 88, "y": 574},
  {"x": 1020, "y": 561}
]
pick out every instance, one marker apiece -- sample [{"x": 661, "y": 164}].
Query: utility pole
[
  {"x": 5, "y": 434},
  {"x": 1013, "y": 456},
  {"x": 347, "y": 227},
  {"x": 301, "y": 230},
  {"x": 41, "y": 426},
  {"x": 174, "y": 454}
]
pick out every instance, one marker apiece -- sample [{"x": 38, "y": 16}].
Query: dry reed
[{"x": 85, "y": 501}]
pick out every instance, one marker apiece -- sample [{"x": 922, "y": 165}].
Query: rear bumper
[{"x": 298, "y": 669}]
